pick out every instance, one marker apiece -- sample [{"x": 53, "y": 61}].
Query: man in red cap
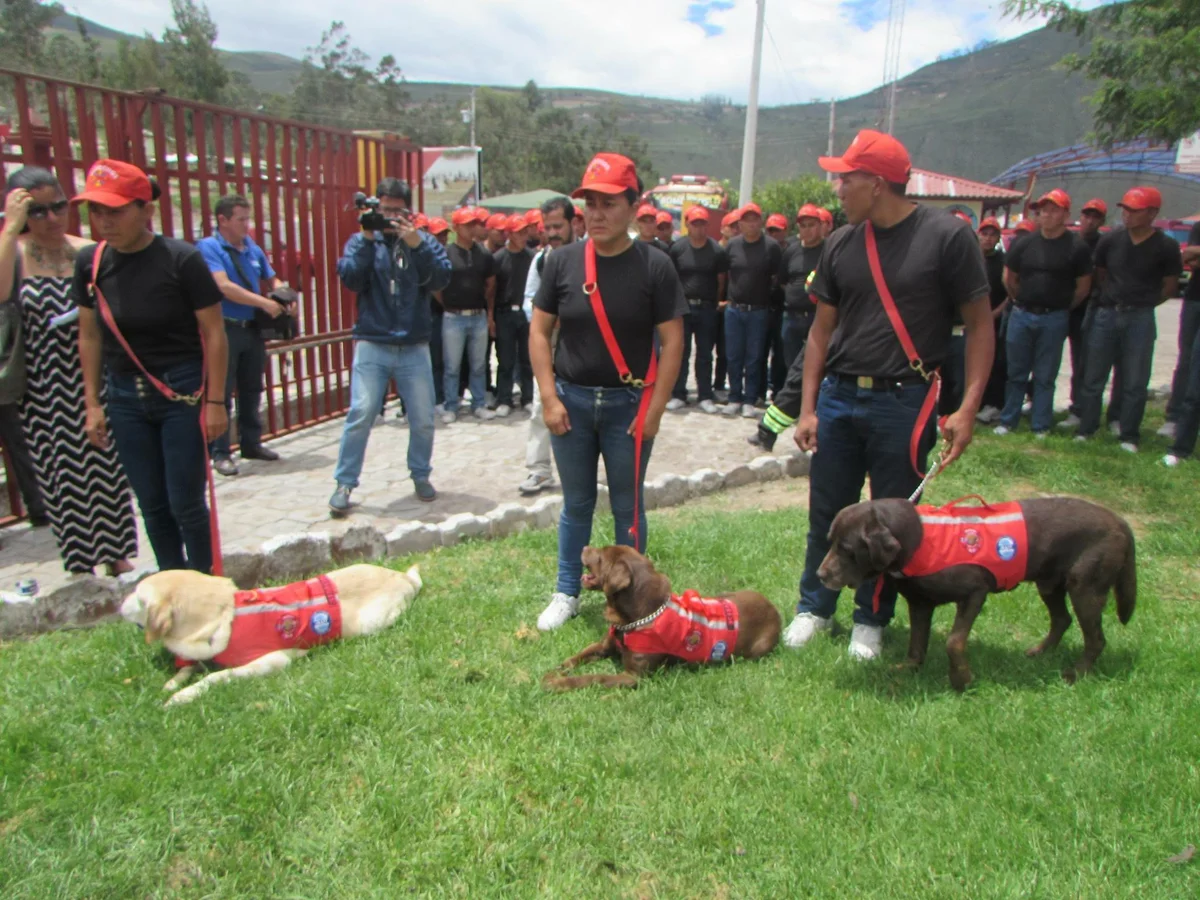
[
  {"x": 993, "y": 259},
  {"x": 753, "y": 267},
  {"x": 731, "y": 226},
  {"x": 440, "y": 229},
  {"x": 1189, "y": 328},
  {"x": 777, "y": 226},
  {"x": 773, "y": 371},
  {"x": 865, "y": 408},
  {"x": 1139, "y": 268},
  {"x": 665, "y": 227},
  {"x": 497, "y": 232},
  {"x": 647, "y": 225},
  {"x": 610, "y": 298},
  {"x": 1047, "y": 274},
  {"x": 469, "y": 303},
  {"x": 826, "y": 221},
  {"x": 701, "y": 263},
  {"x": 512, "y": 328},
  {"x": 578, "y": 225},
  {"x": 1091, "y": 220}
]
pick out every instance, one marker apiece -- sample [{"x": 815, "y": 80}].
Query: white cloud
[{"x": 631, "y": 46}]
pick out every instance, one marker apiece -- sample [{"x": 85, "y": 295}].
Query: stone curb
[{"x": 90, "y": 599}]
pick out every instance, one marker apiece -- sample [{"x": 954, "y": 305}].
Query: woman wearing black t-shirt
[
  {"x": 590, "y": 409},
  {"x": 167, "y": 309}
]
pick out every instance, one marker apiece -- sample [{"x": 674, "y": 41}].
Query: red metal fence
[{"x": 299, "y": 179}]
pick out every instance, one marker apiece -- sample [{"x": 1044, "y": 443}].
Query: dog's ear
[
  {"x": 160, "y": 616},
  {"x": 616, "y": 575},
  {"x": 650, "y": 584},
  {"x": 881, "y": 545}
]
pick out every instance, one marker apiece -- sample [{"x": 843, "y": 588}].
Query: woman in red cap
[
  {"x": 609, "y": 296},
  {"x": 150, "y": 314}
]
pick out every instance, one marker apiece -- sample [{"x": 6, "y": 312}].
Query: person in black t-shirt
[
  {"x": 993, "y": 259},
  {"x": 772, "y": 372},
  {"x": 753, "y": 267},
  {"x": 1138, "y": 268},
  {"x": 647, "y": 225},
  {"x": 469, "y": 303},
  {"x": 701, "y": 263},
  {"x": 862, "y": 395},
  {"x": 166, "y": 305},
  {"x": 590, "y": 409},
  {"x": 1189, "y": 327},
  {"x": 512, "y": 328},
  {"x": 1091, "y": 220},
  {"x": 1047, "y": 274}
]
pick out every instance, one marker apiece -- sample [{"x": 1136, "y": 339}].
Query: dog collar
[{"x": 642, "y": 622}]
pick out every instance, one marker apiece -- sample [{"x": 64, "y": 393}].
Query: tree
[
  {"x": 1145, "y": 54},
  {"x": 194, "y": 66},
  {"x": 788, "y": 196},
  {"x": 22, "y": 23},
  {"x": 533, "y": 96}
]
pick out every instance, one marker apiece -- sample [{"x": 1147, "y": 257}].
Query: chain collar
[{"x": 642, "y": 622}]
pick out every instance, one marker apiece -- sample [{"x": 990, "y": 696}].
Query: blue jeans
[
  {"x": 161, "y": 446},
  {"x": 795, "y": 335},
  {"x": 745, "y": 344},
  {"x": 1188, "y": 423},
  {"x": 409, "y": 367},
  {"x": 469, "y": 333},
  {"x": 1124, "y": 339},
  {"x": 244, "y": 371},
  {"x": 860, "y": 432},
  {"x": 699, "y": 324},
  {"x": 600, "y": 419},
  {"x": 1034, "y": 345},
  {"x": 1189, "y": 327}
]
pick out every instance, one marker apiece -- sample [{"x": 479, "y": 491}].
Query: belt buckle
[{"x": 866, "y": 382}]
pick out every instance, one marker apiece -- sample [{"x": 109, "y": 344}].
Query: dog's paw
[{"x": 187, "y": 695}]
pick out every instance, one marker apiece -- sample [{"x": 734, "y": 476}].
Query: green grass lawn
[{"x": 429, "y": 762}]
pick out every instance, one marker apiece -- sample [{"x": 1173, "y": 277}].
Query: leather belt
[
  {"x": 876, "y": 383},
  {"x": 241, "y": 323},
  {"x": 745, "y": 307},
  {"x": 466, "y": 312},
  {"x": 1038, "y": 310}
]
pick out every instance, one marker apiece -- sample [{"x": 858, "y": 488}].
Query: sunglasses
[{"x": 41, "y": 210}]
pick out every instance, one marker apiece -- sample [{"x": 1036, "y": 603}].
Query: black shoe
[
  {"x": 39, "y": 521},
  {"x": 266, "y": 454}
]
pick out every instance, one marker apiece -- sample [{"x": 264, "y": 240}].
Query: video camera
[{"x": 371, "y": 218}]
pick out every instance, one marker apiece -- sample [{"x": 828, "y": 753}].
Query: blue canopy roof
[{"x": 1156, "y": 161}]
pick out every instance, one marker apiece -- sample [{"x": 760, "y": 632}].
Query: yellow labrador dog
[{"x": 201, "y": 618}]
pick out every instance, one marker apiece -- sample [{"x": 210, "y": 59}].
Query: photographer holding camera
[
  {"x": 393, "y": 267},
  {"x": 240, "y": 268}
]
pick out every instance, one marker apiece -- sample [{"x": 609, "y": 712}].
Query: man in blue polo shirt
[{"x": 240, "y": 268}]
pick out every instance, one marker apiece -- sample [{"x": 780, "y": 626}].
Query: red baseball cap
[
  {"x": 419, "y": 220},
  {"x": 777, "y": 221},
  {"x": 516, "y": 223},
  {"x": 464, "y": 215},
  {"x": 111, "y": 182},
  {"x": 438, "y": 226},
  {"x": 810, "y": 211},
  {"x": 481, "y": 214},
  {"x": 750, "y": 209},
  {"x": 826, "y": 215},
  {"x": 1138, "y": 198},
  {"x": 696, "y": 213},
  {"x": 578, "y": 212},
  {"x": 872, "y": 152},
  {"x": 647, "y": 211},
  {"x": 497, "y": 221},
  {"x": 1026, "y": 225},
  {"x": 664, "y": 218},
  {"x": 959, "y": 214},
  {"x": 1096, "y": 205},
  {"x": 608, "y": 173},
  {"x": 990, "y": 222},
  {"x": 1058, "y": 197},
  {"x": 534, "y": 216}
]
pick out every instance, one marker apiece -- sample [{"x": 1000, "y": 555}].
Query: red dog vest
[
  {"x": 992, "y": 536},
  {"x": 293, "y": 617},
  {"x": 689, "y": 627}
]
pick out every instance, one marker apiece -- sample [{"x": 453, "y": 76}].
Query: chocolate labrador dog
[
  {"x": 1067, "y": 547},
  {"x": 651, "y": 627}
]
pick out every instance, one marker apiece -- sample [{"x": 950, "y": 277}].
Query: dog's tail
[
  {"x": 1126, "y": 586},
  {"x": 414, "y": 575}
]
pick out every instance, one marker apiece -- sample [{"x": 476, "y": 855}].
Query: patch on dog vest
[
  {"x": 689, "y": 627},
  {"x": 293, "y": 617},
  {"x": 992, "y": 536}
]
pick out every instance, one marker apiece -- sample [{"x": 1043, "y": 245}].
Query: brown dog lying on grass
[
  {"x": 960, "y": 554},
  {"x": 651, "y": 627}
]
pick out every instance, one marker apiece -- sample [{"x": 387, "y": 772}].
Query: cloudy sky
[{"x": 815, "y": 49}]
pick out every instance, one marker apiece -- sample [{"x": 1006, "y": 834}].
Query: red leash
[
  {"x": 591, "y": 287},
  {"x": 196, "y": 399}
]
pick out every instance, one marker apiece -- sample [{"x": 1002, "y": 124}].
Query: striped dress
[{"x": 87, "y": 497}]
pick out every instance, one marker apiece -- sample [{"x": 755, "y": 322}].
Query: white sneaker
[
  {"x": 1040, "y": 435},
  {"x": 749, "y": 412},
  {"x": 1026, "y": 407},
  {"x": 1081, "y": 438},
  {"x": 988, "y": 415},
  {"x": 1170, "y": 460},
  {"x": 707, "y": 406},
  {"x": 1001, "y": 430},
  {"x": 1129, "y": 446},
  {"x": 1114, "y": 428},
  {"x": 401, "y": 420},
  {"x": 731, "y": 409},
  {"x": 1071, "y": 421},
  {"x": 449, "y": 418},
  {"x": 483, "y": 414},
  {"x": 535, "y": 482},
  {"x": 804, "y": 628},
  {"x": 1167, "y": 431},
  {"x": 866, "y": 642},
  {"x": 555, "y": 615},
  {"x": 503, "y": 411},
  {"x": 675, "y": 404}
]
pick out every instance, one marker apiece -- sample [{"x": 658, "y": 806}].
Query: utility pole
[
  {"x": 472, "y": 115},
  {"x": 746, "y": 187},
  {"x": 832, "y": 125}
]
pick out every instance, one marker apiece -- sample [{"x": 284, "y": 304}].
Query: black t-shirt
[
  {"x": 511, "y": 271},
  {"x": 994, "y": 263},
  {"x": 1136, "y": 271},
  {"x": 1193, "y": 286},
  {"x": 931, "y": 263},
  {"x": 1048, "y": 268},
  {"x": 751, "y": 268},
  {"x": 658, "y": 244},
  {"x": 153, "y": 295},
  {"x": 795, "y": 266},
  {"x": 640, "y": 290},
  {"x": 469, "y": 272},
  {"x": 698, "y": 268}
]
